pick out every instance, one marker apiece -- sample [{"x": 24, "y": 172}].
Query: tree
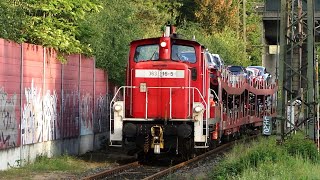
[
  {"x": 119, "y": 23},
  {"x": 186, "y": 11},
  {"x": 215, "y": 15},
  {"x": 254, "y": 33},
  {"x": 225, "y": 43},
  {"x": 51, "y": 23},
  {"x": 11, "y": 18}
]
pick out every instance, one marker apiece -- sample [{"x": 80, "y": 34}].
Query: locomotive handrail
[
  {"x": 131, "y": 78},
  {"x": 113, "y": 101},
  {"x": 133, "y": 87},
  {"x": 189, "y": 85},
  {"x": 204, "y": 102},
  {"x": 131, "y": 91},
  {"x": 215, "y": 94},
  {"x": 194, "y": 88}
]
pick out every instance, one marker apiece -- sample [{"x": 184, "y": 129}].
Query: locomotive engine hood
[{"x": 161, "y": 90}]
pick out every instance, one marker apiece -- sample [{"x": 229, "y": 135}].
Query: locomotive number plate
[{"x": 155, "y": 73}]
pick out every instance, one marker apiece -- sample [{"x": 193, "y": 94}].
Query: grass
[
  {"x": 297, "y": 158},
  {"x": 292, "y": 168},
  {"x": 61, "y": 164}
]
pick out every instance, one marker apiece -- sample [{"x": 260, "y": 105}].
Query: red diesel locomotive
[
  {"x": 165, "y": 105},
  {"x": 168, "y": 102}
]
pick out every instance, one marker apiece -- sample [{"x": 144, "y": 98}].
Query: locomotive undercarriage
[{"x": 159, "y": 137}]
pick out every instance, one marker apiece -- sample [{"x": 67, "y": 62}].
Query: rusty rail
[
  {"x": 197, "y": 158},
  {"x": 112, "y": 171},
  {"x": 167, "y": 171}
]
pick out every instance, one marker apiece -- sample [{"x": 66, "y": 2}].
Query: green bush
[
  {"x": 243, "y": 157},
  {"x": 299, "y": 145},
  {"x": 257, "y": 155}
]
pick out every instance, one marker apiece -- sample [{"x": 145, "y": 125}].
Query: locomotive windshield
[
  {"x": 146, "y": 52},
  {"x": 183, "y": 53}
]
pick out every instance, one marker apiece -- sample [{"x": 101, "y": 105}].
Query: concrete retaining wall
[{"x": 49, "y": 108}]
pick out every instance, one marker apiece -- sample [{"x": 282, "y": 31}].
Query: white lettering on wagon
[{"x": 155, "y": 73}]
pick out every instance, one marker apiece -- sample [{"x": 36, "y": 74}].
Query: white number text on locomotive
[{"x": 155, "y": 73}]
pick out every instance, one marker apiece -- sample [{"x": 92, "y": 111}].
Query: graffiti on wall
[
  {"x": 101, "y": 114},
  {"x": 39, "y": 116},
  {"x": 8, "y": 122},
  {"x": 70, "y": 113},
  {"x": 86, "y": 112},
  {"x": 32, "y": 116},
  {"x": 51, "y": 124}
]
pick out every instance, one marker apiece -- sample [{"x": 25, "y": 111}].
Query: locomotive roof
[{"x": 157, "y": 38}]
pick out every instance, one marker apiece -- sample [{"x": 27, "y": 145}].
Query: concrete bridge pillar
[{"x": 270, "y": 58}]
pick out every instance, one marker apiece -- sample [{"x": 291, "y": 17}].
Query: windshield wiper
[
  {"x": 178, "y": 57},
  {"x": 153, "y": 55}
]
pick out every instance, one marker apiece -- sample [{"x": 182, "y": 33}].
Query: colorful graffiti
[{"x": 8, "y": 122}]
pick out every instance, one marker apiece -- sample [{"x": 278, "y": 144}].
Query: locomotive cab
[{"x": 165, "y": 104}]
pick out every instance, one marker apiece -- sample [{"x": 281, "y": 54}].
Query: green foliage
[
  {"x": 55, "y": 23},
  {"x": 235, "y": 164},
  {"x": 51, "y": 23},
  {"x": 119, "y": 23},
  {"x": 230, "y": 47},
  {"x": 105, "y": 28},
  {"x": 225, "y": 43},
  {"x": 290, "y": 168},
  {"x": 62, "y": 163},
  {"x": 254, "y": 33},
  {"x": 216, "y": 15},
  {"x": 186, "y": 12},
  {"x": 113, "y": 29},
  {"x": 44, "y": 164},
  {"x": 12, "y": 19},
  {"x": 300, "y": 145},
  {"x": 265, "y": 155}
]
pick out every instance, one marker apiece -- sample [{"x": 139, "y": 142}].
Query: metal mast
[
  {"x": 296, "y": 81},
  {"x": 242, "y": 18}
]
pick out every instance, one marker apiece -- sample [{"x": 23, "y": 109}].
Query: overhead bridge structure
[{"x": 291, "y": 33}]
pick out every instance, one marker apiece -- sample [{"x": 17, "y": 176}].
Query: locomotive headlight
[
  {"x": 117, "y": 107},
  {"x": 163, "y": 44},
  {"x": 198, "y": 109}
]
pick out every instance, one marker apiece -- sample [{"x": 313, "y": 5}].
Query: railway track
[{"x": 136, "y": 170}]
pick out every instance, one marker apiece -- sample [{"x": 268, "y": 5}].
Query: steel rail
[
  {"x": 167, "y": 171},
  {"x": 195, "y": 159},
  {"x": 109, "y": 172}
]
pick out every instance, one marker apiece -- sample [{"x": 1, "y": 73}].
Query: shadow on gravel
[{"x": 112, "y": 155}]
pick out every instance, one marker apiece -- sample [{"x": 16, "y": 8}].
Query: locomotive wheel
[
  {"x": 186, "y": 148},
  {"x": 213, "y": 144},
  {"x": 144, "y": 157}
]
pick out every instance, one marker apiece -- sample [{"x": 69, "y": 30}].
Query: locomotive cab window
[
  {"x": 146, "y": 52},
  {"x": 183, "y": 53}
]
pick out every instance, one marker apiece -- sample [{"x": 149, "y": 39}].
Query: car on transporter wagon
[
  {"x": 264, "y": 74},
  {"x": 218, "y": 61},
  {"x": 237, "y": 72},
  {"x": 254, "y": 75}
]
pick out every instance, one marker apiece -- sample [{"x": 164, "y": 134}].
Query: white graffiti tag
[{"x": 39, "y": 116}]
